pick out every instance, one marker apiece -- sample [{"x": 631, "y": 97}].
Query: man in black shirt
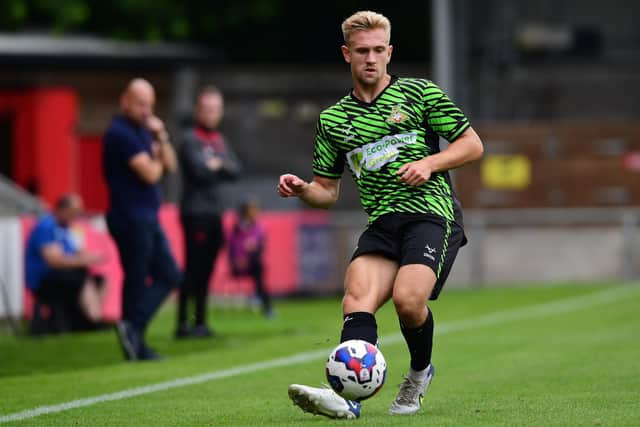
[
  {"x": 205, "y": 160},
  {"x": 137, "y": 153}
]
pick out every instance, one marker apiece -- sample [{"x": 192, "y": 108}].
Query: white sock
[{"x": 419, "y": 375}]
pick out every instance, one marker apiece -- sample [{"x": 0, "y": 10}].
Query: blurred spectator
[
  {"x": 246, "y": 246},
  {"x": 206, "y": 160},
  {"x": 137, "y": 153},
  {"x": 67, "y": 296}
]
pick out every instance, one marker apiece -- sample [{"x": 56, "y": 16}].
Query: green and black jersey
[{"x": 375, "y": 139}]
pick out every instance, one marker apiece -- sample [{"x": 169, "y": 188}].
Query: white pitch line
[{"x": 550, "y": 308}]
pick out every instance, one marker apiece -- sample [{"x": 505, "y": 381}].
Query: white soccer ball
[{"x": 356, "y": 369}]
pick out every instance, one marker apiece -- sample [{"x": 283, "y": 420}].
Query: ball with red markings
[{"x": 356, "y": 369}]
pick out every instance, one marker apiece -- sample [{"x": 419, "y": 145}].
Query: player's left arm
[
  {"x": 464, "y": 149},
  {"x": 230, "y": 167},
  {"x": 161, "y": 138}
]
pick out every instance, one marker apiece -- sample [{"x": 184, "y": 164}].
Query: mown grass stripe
[{"x": 558, "y": 307}]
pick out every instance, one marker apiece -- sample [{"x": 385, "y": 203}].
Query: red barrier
[
  {"x": 92, "y": 186},
  {"x": 281, "y": 254},
  {"x": 43, "y": 144}
]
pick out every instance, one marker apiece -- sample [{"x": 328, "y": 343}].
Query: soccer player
[{"x": 386, "y": 130}]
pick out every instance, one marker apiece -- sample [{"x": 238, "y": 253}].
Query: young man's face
[{"x": 368, "y": 52}]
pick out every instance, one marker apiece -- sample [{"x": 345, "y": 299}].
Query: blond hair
[{"x": 365, "y": 20}]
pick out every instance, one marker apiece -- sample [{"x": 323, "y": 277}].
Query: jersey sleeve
[
  {"x": 328, "y": 161},
  {"x": 442, "y": 115},
  {"x": 128, "y": 144},
  {"x": 43, "y": 235}
]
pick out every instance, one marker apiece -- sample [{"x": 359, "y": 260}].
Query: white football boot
[
  {"x": 323, "y": 401},
  {"x": 411, "y": 393}
]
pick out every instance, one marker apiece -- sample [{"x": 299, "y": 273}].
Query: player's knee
[
  {"x": 351, "y": 303},
  {"x": 408, "y": 305},
  {"x": 356, "y": 298}
]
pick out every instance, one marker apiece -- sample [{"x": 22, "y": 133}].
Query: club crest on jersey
[
  {"x": 375, "y": 155},
  {"x": 396, "y": 115}
]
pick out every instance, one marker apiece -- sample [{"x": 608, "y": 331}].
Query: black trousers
[
  {"x": 144, "y": 254},
  {"x": 256, "y": 271},
  {"x": 60, "y": 291},
  {"x": 203, "y": 238}
]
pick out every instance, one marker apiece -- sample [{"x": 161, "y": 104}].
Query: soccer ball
[{"x": 356, "y": 369}]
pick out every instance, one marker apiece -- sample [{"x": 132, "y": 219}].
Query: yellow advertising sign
[{"x": 506, "y": 171}]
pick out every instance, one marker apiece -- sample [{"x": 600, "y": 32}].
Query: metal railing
[{"x": 15, "y": 201}]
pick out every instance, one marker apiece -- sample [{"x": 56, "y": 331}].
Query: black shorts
[{"x": 415, "y": 239}]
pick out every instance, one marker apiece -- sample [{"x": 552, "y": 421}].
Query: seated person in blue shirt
[{"x": 57, "y": 270}]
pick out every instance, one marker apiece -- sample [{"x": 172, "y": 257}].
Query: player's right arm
[
  {"x": 320, "y": 193},
  {"x": 55, "y": 257},
  {"x": 166, "y": 152},
  {"x": 151, "y": 166},
  {"x": 328, "y": 164},
  {"x": 148, "y": 168}
]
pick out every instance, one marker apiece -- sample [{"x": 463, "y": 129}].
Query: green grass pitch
[{"x": 563, "y": 355}]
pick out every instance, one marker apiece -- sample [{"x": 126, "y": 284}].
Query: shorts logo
[
  {"x": 429, "y": 253},
  {"x": 375, "y": 155}
]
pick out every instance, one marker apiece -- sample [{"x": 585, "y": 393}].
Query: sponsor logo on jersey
[
  {"x": 375, "y": 155},
  {"x": 396, "y": 115}
]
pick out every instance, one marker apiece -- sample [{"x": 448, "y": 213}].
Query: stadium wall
[
  {"x": 528, "y": 246},
  {"x": 297, "y": 257},
  {"x": 11, "y": 271},
  {"x": 307, "y": 252}
]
